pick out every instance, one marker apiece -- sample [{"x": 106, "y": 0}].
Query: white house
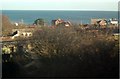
[
  {"x": 23, "y": 32},
  {"x": 114, "y": 21}
]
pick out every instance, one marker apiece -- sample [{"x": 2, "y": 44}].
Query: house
[
  {"x": 94, "y": 21},
  {"x": 26, "y": 32},
  {"x": 61, "y": 22},
  {"x": 68, "y": 23},
  {"x": 56, "y": 22},
  {"x": 102, "y": 22},
  {"x": 53, "y": 22},
  {"x": 99, "y": 22},
  {"x": 113, "y": 21},
  {"x": 7, "y": 38}
]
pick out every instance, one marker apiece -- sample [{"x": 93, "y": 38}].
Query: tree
[
  {"x": 6, "y": 26},
  {"x": 39, "y": 22}
]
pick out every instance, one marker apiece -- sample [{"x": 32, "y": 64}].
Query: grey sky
[{"x": 106, "y": 5}]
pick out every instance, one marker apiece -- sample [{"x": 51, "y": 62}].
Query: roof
[
  {"x": 24, "y": 30},
  {"x": 6, "y": 39}
]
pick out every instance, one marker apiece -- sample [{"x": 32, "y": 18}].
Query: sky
[{"x": 99, "y": 5}]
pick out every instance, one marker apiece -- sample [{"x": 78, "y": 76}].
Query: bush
[{"x": 63, "y": 52}]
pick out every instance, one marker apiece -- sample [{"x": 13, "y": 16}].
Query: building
[
  {"x": 102, "y": 23},
  {"x": 94, "y": 21},
  {"x": 67, "y": 23},
  {"x": 60, "y": 22},
  {"x": 26, "y": 32},
  {"x": 56, "y": 22},
  {"x": 113, "y": 21}
]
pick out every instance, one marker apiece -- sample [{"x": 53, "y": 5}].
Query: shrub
[{"x": 64, "y": 52}]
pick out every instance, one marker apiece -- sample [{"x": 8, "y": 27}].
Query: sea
[{"x": 76, "y": 17}]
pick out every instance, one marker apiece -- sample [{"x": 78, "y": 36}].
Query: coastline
[{"x": 74, "y": 16}]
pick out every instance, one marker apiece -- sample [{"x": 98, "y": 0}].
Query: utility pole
[{"x": 118, "y": 13}]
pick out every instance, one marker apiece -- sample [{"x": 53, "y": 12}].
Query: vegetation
[
  {"x": 65, "y": 52},
  {"x": 39, "y": 22},
  {"x": 6, "y": 26}
]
